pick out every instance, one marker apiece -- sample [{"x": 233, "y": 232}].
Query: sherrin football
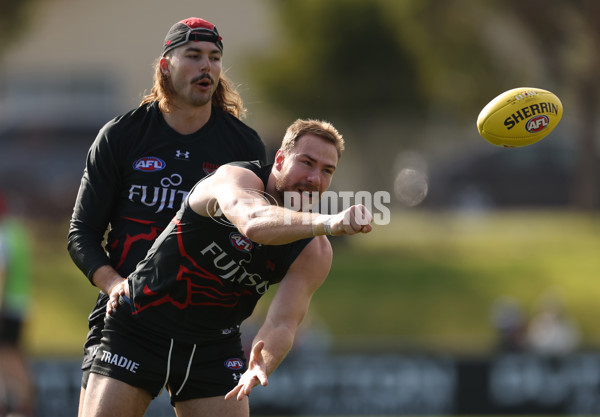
[{"x": 519, "y": 117}]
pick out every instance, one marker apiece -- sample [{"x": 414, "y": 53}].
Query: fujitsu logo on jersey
[
  {"x": 230, "y": 270},
  {"x": 164, "y": 197},
  {"x": 149, "y": 164}
]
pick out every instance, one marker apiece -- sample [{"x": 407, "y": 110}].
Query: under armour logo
[
  {"x": 182, "y": 155},
  {"x": 236, "y": 377}
]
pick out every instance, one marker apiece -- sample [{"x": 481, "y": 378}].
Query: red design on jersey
[
  {"x": 191, "y": 278},
  {"x": 130, "y": 240},
  {"x": 208, "y": 167},
  {"x": 148, "y": 291}
]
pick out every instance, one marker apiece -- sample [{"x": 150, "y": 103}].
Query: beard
[{"x": 291, "y": 198}]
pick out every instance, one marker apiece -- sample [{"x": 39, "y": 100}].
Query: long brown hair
[{"x": 225, "y": 97}]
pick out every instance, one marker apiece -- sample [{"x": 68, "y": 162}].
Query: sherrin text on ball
[{"x": 519, "y": 117}]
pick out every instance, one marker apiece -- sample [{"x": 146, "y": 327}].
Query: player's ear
[
  {"x": 279, "y": 158},
  {"x": 164, "y": 66}
]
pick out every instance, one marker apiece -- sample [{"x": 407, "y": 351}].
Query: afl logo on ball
[
  {"x": 234, "y": 364},
  {"x": 149, "y": 164},
  {"x": 537, "y": 123},
  {"x": 240, "y": 242}
]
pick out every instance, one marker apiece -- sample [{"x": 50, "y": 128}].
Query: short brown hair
[{"x": 320, "y": 128}]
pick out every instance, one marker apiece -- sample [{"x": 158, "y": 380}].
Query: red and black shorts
[{"x": 150, "y": 362}]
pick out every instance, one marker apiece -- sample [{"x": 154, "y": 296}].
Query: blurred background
[{"x": 479, "y": 294}]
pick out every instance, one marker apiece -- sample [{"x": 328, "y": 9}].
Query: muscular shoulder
[
  {"x": 223, "y": 184},
  {"x": 244, "y": 174}
]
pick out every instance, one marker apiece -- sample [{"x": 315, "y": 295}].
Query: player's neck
[{"x": 187, "y": 120}]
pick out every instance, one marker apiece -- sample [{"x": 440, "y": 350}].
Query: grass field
[{"x": 426, "y": 281}]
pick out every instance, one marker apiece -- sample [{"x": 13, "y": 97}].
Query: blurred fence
[{"x": 387, "y": 385}]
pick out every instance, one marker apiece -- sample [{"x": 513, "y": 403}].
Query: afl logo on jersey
[
  {"x": 240, "y": 242},
  {"x": 149, "y": 164},
  {"x": 234, "y": 364}
]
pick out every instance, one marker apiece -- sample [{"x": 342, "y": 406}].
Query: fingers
[
  {"x": 257, "y": 364},
  {"x": 120, "y": 289},
  {"x": 233, "y": 392},
  {"x": 366, "y": 229},
  {"x": 260, "y": 378},
  {"x": 257, "y": 349},
  {"x": 244, "y": 392},
  {"x": 362, "y": 216},
  {"x": 264, "y": 381},
  {"x": 244, "y": 388},
  {"x": 256, "y": 374},
  {"x": 355, "y": 219},
  {"x": 240, "y": 391},
  {"x": 112, "y": 304}
]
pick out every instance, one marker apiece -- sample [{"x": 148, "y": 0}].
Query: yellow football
[{"x": 519, "y": 117}]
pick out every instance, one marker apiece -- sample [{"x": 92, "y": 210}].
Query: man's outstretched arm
[
  {"x": 237, "y": 193},
  {"x": 287, "y": 310}
]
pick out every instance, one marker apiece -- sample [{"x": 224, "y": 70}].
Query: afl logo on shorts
[
  {"x": 240, "y": 242},
  {"x": 235, "y": 364},
  {"x": 149, "y": 164}
]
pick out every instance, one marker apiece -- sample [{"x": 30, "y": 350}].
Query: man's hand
[
  {"x": 355, "y": 219},
  {"x": 256, "y": 374},
  {"x": 118, "y": 289}
]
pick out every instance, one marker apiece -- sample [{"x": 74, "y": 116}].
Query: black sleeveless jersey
[
  {"x": 138, "y": 172},
  {"x": 202, "y": 277}
]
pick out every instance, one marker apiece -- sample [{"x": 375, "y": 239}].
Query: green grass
[
  {"x": 426, "y": 281},
  {"x": 430, "y": 279},
  {"x": 62, "y": 296}
]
